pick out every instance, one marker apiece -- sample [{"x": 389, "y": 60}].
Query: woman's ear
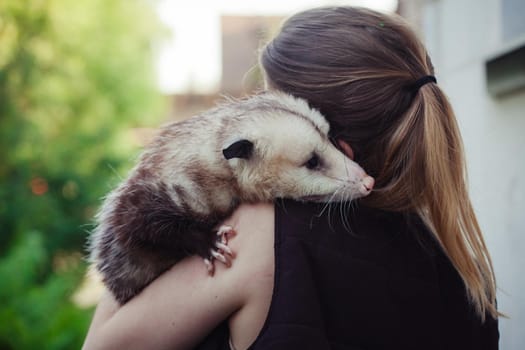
[
  {"x": 345, "y": 147},
  {"x": 239, "y": 149}
]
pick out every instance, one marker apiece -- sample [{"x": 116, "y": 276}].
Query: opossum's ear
[{"x": 239, "y": 149}]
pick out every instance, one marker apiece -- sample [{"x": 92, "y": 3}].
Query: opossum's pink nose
[{"x": 367, "y": 185}]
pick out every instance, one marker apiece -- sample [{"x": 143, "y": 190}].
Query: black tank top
[{"x": 365, "y": 279}]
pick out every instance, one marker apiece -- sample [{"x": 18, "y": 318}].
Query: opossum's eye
[
  {"x": 313, "y": 162},
  {"x": 239, "y": 149}
]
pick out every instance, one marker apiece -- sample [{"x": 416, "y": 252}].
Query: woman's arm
[
  {"x": 179, "y": 308},
  {"x": 174, "y": 312}
]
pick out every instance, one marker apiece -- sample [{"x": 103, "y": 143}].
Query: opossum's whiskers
[
  {"x": 332, "y": 203},
  {"x": 344, "y": 216},
  {"x": 325, "y": 206},
  {"x": 328, "y": 204},
  {"x": 337, "y": 194},
  {"x": 348, "y": 204},
  {"x": 330, "y": 200},
  {"x": 352, "y": 205}
]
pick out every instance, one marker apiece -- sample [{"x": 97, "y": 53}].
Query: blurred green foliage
[{"x": 75, "y": 77}]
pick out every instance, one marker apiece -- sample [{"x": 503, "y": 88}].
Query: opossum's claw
[
  {"x": 225, "y": 259},
  {"x": 224, "y": 232},
  {"x": 221, "y": 251},
  {"x": 216, "y": 255},
  {"x": 223, "y": 247}
]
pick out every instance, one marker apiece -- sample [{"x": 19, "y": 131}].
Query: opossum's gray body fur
[{"x": 196, "y": 172}]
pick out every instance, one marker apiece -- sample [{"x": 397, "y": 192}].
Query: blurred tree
[{"x": 75, "y": 76}]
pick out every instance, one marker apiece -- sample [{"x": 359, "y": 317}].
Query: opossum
[{"x": 196, "y": 172}]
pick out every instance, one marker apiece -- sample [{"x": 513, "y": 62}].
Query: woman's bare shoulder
[
  {"x": 254, "y": 240},
  {"x": 182, "y": 305},
  {"x": 254, "y": 270}
]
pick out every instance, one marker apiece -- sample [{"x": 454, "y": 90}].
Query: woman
[{"x": 405, "y": 268}]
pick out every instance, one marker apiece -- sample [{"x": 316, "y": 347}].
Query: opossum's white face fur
[{"x": 287, "y": 153}]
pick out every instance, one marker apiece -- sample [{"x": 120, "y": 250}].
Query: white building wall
[{"x": 461, "y": 35}]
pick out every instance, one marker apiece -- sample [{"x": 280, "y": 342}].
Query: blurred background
[{"x": 84, "y": 83}]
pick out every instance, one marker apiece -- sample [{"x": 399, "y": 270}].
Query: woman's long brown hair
[{"x": 358, "y": 67}]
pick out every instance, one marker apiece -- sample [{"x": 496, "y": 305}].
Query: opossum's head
[{"x": 288, "y": 154}]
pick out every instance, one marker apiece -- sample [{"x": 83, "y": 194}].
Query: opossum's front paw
[{"x": 221, "y": 251}]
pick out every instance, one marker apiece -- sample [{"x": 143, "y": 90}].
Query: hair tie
[{"x": 422, "y": 81}]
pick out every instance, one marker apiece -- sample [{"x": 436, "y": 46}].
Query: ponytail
[
  {"x": 445, "y": 204},
  {"x": 361, "y": 76},
  {"x": 424, "y": 169}
]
